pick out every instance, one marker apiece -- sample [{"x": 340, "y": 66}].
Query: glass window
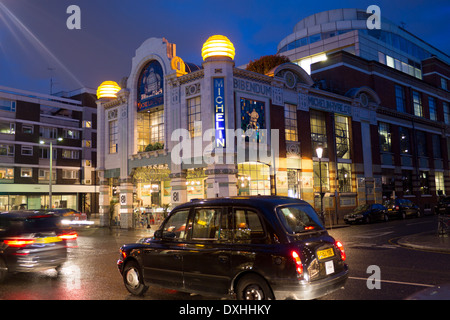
[
  {"x": 345, "y": 177},
  {"x": 175, "y": 226},
  {"x": 432, "y": 108},
  {"x": 318, "y": 132},
  {"x": 421, "y": 143},
  {"x": 342, "y": 137},
  {"x": 70, "y": 154},
  {"x": 7, "y": 127},
  {"x": 113, "y": 136},
  {"x": 26, "y": 172},
  {"x": 290, "y": 122},
  {"x": 206, "y": 224},
  {"x": 400, "y": 98},
  {"x": 194, "y": 117},
  {"x": 405, "y": 145},
  {"x": 436, "y": 146},
  {"x": 325, "y": 176},
  {"x": 70, "y": 174},
  {"x": 314, "y": 38},
  {"x": 28, "y": 129},
  {"x": 150, "y": 128},
  {"x": 444, "y": 83},
  {"x": 44, "y": 175},
  {"x": 384, "y": 131},
  {"x": 417, "y": 101},
  {"x": 446, "y": 109},
  {"x": 71, "y": 134},
  {"x": 48, "y": 133},
  {"x": 253, "y": 179},
  {"x": 439, "y": 180},
  {"x": 44, "y": 153},
  {"x": 299, "y": 219},
  {"x": 6, "y": 173},
  {"x": 6, "y": 150},
  {"x": 247, "y": 226},
  {"x": 27, "y": 151},
  {"x": 407, "y": 182},
  {"x": 424, "y": 183}
]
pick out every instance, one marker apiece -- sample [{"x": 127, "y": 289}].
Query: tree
[{"x": 266, "y": 63}]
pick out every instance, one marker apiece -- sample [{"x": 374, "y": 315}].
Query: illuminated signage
[
  {"x": 150, "y": 86},
  {"x": 219, "y": 111}
]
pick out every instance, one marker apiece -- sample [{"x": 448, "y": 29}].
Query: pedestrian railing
[{"x": 443, "y": 225}]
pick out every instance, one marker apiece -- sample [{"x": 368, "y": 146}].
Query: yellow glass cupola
[
  {"x": 218, "y": 46},
  {"x": 108, "y": 89}
]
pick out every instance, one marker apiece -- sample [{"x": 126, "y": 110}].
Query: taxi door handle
[{"x": 223, "y": 259}]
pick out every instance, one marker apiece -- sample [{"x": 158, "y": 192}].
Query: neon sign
[{"x": 219, "y": 111}]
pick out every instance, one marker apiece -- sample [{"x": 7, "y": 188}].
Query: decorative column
[
  {"x": 126, "y": 203},
  {"x": 179, "y": 189},
  {"x": 104, "y": 203}
]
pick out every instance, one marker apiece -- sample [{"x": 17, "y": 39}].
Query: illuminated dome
[
  {"x": 218, "y": 46},
  {"x": 108, "y": 89}
]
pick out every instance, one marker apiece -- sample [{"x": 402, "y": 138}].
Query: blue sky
[{"x": 35, "y": 43}]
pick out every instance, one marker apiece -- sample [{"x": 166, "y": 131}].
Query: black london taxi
[
  {"x": 249, "y": 248},
  {"x": 32, "y": 241}
]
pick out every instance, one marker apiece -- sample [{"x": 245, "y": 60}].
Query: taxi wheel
[
  {"x": 132, "y": 279},
  {"x": 253, "y": 287}
]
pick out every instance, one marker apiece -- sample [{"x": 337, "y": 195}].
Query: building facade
[
  {"x": 175, "y": 132},
  {"x": 412, "y": 141},
  {"x": 29, "y": 122}
]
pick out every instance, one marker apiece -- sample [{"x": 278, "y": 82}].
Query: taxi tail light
[
  {"x": 68, "y": 236},
  {"x": 298, "y": 262},
  {"x": 340, "y": 246},
  {"x": 18, "y": 242}
]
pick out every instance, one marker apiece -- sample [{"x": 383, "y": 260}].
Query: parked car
[
  {"x": 32, "y": 241},
  {"x": 367, "y": 213},
  {"x": 70, "y": 217},
  {"x": 251, "y": 248},
  {"x": 402, "y": 208},
  {"x": 443, "y": 206}
]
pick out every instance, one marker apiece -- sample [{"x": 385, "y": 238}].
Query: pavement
[{"x": 429, "y": 241}]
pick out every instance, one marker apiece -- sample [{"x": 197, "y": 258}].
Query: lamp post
[
  {"x": 51, "y": 168},
  {"x": 319, "y": 151}
]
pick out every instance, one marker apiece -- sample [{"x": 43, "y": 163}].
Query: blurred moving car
[
  {"x": 32, "y": 241},
  {"x": 252, "y": 248},
  {"x": 367, "y": 213},
  {"x": 443, "y": 206},
  {"x": 70, "y": 217},
  {"x": 402, "y": 208}
]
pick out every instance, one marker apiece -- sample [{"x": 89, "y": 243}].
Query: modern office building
[
  {"x": 320, "y": 34},
  {"x": 410, "y": 77},
  {"x": 172, "y": 132},
  {"x": 29, "y": 123}
]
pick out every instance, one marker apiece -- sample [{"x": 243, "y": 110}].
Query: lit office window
[
  {"x": 150, "y": 128},
  {"x": 342, "y": 137},
  {"x": 194, "y": 117},
  {"x": 405, "y": 144},
  {"x": 439, "y": 180},
  {"x": 345, "y": 177},
  {"x": 113, "y": 136},
  {"x": 318, "y": 132},
  {"x": 417, "y": 101},
  {"x": 290, "y": 122},
  {"x": 384, "y": 131}
]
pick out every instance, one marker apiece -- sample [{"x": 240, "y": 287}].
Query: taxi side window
[
  {"x": 206, "y": 224},
  {"x": 247, "y": 226},
  {"x": 175, "y": 226}
]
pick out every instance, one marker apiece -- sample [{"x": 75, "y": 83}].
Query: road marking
[
  {"x": 373, "y": 235},
  {"x": 396, "y": 282}
]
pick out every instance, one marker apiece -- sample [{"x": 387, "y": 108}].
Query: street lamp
[
  {"x": 51, "y": 168},
  {"x": 319, "y": 151}
]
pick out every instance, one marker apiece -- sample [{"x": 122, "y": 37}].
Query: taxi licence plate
[
  {"x": 48, "y": 240},
  {"x": 323, "y": 254}
]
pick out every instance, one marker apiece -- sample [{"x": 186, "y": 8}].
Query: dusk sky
[{"x": 35, "y": 43}]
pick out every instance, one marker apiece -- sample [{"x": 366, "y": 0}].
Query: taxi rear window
[{"x": 299, "y": 219}]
